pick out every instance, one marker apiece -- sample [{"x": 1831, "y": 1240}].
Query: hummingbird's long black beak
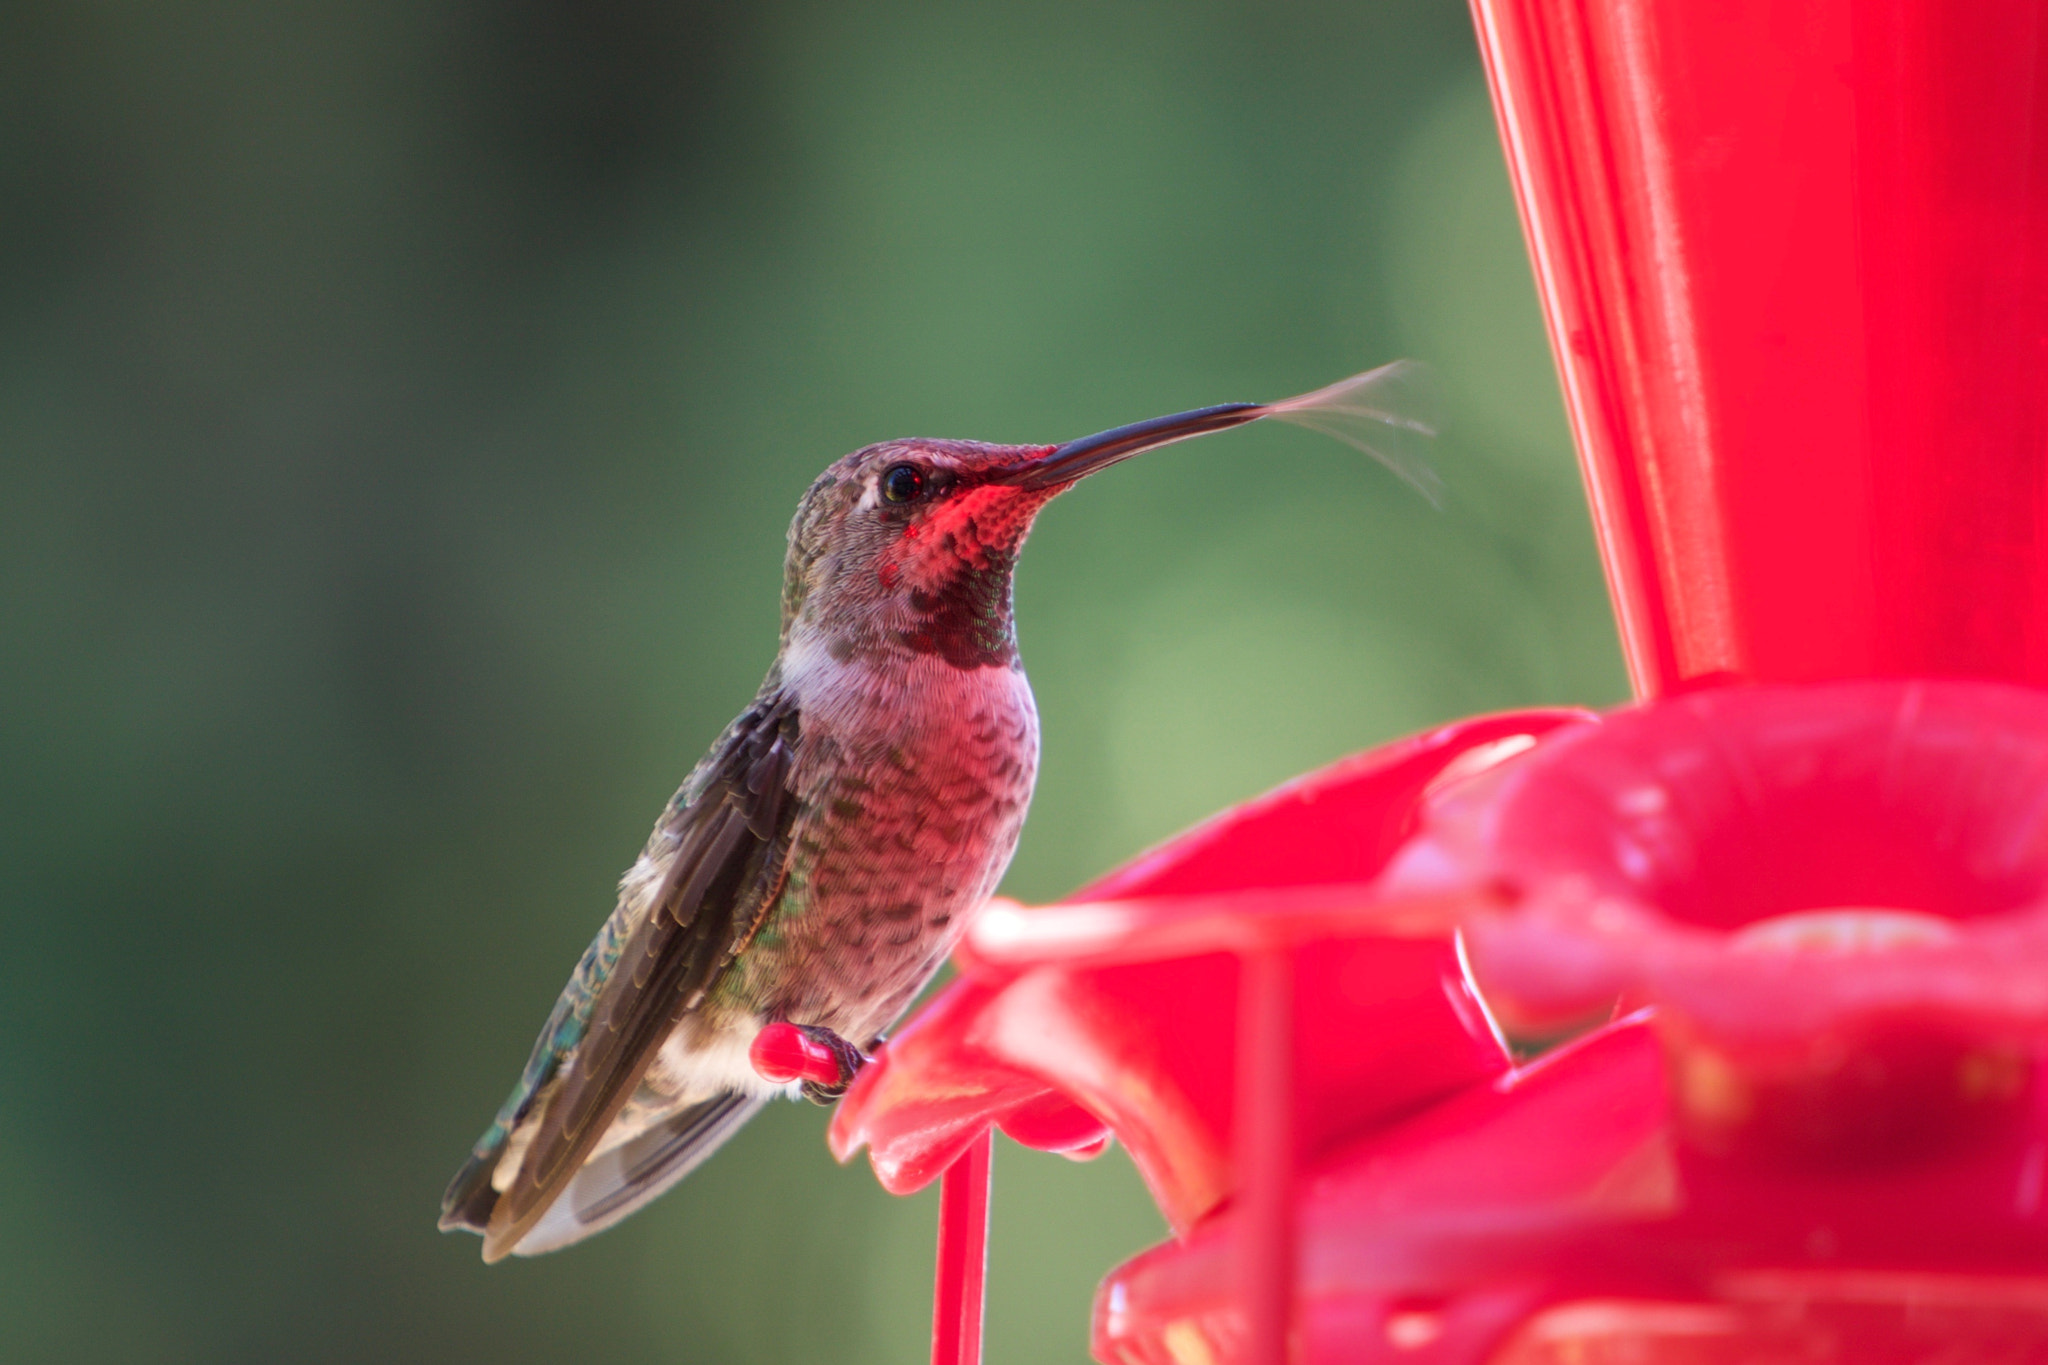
[
  {"x": 1388, "y": 413},
  {"x": 1077, "y": 459}
]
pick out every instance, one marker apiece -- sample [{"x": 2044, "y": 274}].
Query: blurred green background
[{"x": 401, "y": 405}]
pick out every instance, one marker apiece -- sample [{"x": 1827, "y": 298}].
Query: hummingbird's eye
[{"x": 902, "y": 483}]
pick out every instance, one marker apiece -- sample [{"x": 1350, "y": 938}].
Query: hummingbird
[{"x": 822, "y": 859}]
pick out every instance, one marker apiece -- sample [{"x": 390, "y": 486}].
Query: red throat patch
[{"x": 976, "y": 529}]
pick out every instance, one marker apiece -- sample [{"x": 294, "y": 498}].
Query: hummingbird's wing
[
  {"x": 617, "y": 1182},
  {"x": 726, "y": 840}
]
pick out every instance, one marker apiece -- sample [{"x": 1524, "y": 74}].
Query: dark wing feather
[{"x": 732, "y": 839}]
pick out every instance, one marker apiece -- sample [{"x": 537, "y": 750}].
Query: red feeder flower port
[{"x": 1794, "y": 260}]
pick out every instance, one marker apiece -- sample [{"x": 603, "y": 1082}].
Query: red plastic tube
[
  {"x": 1265, "y": 1142},
  {"x": 960, "y": 1291},
  {"x": 1791, "y": 257}
]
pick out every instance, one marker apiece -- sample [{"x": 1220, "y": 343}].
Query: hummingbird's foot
[
  {"x": 850, "y": 1059},
  {"x": 820, "y": 1059}
]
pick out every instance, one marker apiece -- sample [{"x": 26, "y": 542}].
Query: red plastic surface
[{"x": 1794, "y": 259}]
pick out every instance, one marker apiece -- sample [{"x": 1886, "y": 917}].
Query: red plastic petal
[{"x": 1053, "y": 1123}]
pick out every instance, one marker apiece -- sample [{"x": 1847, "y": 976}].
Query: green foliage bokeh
[{"x": 400, "y": 409}]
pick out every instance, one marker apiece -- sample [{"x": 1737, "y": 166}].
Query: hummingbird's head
[{"x": 910, "y": 545}]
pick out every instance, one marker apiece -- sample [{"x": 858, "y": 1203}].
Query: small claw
[{"x": 850, "y": 1059}]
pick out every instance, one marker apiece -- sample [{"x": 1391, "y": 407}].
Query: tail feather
[
  {"x": 616, "y": 1183},
  {"x": 467, "y": 1205}
]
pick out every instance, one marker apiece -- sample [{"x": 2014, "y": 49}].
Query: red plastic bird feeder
[{"x": 1793, "y": 902}]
